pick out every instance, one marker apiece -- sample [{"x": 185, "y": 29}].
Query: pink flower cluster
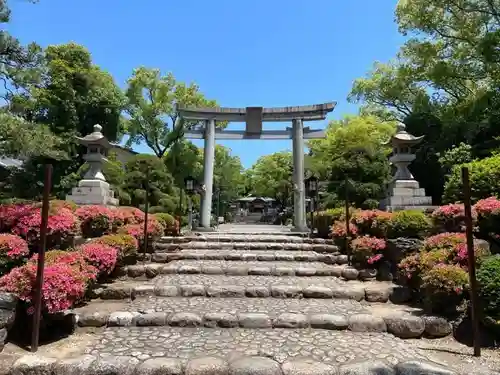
[
  {"x": 367, "y": 249},
  {"x": 102, "y": 257},
  {"x": 61, "y": 289},
  {"x": 74, "y": 259},
  {"x": 96, "y": 220},
  {"x": 62, "y": 224},
  {"x": 444, "y": 241},
  {"x": 339, "y": 229},
  {"x": 130, "y": 215},
  {"x": 451, "y": 217},
  {"x": 488, "y": 206},
  {"x": 373, "y": 222},
  {"x": 13, "y": 247},
  {"x": 155, "y": 229},
  {"x": 11, "y": 213}
]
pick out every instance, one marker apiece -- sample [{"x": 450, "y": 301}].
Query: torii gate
[{"x": 253, "y": 117}]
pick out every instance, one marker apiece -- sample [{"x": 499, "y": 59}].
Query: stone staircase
[{"x": 245, "y": 303}]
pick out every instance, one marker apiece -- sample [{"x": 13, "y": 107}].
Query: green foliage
[
  {"x": 183, "y": 160},
  {"x": 484, "y": 179},
  {"x": 457, "y": 155},
  {"x": 323, "y": 220},
  {"x": 353, "y": 147},
  {"x": 127, "y": 245},
  {"x": 152, "y": 98},
  {"x": 488, "y": 277},
  {"x": 148, "y": 168},
  {"x": 443, "y": 287},
  {"x": 271, "y": 176},
  {"x": 409, "y": 223},
  {"x": 443, "y": 82}
]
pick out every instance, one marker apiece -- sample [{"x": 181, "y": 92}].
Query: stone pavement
[{"x": 246, "y": 300}]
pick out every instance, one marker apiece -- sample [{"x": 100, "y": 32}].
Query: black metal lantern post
[
  {"x": 189, "y": 184},
  {"x": 312, "y": 192}
]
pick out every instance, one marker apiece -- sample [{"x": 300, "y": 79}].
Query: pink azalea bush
[
  {"x": 451, "y": 217},
  {"x": 63, "y": 286},
  {"x": 74, "y": 259},
  {"x": 13, "y": 251},
  {"x": 339, "y": 231},
  {"x": 488, "y": 216},
  {"x": 95, "y": 220},
  {"x": 125, "y": 244},
  {"x": 155, "y": 229},
  {"x": 367, "y": 250},
  {"x": 372, "y": 222},
  {"x": 11, "y": 213},
  {"x": 102, "y": 257},
  {"x": 62, "y": 224},
  {"x": 130, "y": 215}
]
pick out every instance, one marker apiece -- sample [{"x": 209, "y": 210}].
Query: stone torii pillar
[
  {"x": 208, "y": 174},
  {"x": 299, "y": 201}
]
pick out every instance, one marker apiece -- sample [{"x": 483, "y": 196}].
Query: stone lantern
[
  {"x": 404, "y": 190},
  {"x": 94, "y": 189}
]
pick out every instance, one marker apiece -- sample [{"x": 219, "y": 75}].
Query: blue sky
[{"x": 241, "y": 53}]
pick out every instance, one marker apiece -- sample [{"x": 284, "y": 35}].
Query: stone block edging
[
  {"x": 124, "y": 365},
  {"x": 402, "y": 326},
  {"x": 248, "y": 237},
  {"x": 8, "y": 304},
  {"x": 358, "y": 292}
]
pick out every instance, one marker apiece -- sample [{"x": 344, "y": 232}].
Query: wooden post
[
  {"x": 347, "y": 220},
  {"x": 472, "y": 261},
  {"x": 146, "y": 209},
  {"x": 35, "y": 334},
  {"x": 313, "y": 205}
]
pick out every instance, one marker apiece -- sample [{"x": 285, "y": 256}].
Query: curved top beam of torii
[
  {"x": 254, "y": 117},
  {"x": 304, "y": 113}
]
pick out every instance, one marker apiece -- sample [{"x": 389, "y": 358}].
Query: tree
[
  {"x": 142, "y": 169},
  {"x": 18, "y": 65},
  {"x": 271, "y": 176},
  {"x": 443, "y": 82},
  {"x": 152, "y": 98},
  {"x": 353, "y": 147},
  {"x": 74, "y": 95},
  {"x": 183, "y": 160},
  {"x": 228, "y": 179}
]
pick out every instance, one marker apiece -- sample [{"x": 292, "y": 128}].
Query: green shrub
[
  {"x": 409, "y": 223},
  {"x": 169, "y": 223},
  {"x": 484, "y": 179},
  {"x": 488, "y": 277},
  {"x": 443, "y": 287}
]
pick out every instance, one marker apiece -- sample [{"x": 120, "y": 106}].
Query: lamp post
[
  {"x": 312, "y": 193},
  {"x": 189, "y": 184}
]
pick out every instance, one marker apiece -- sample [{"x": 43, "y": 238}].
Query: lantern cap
[
  {"x": 403, "y": 137},
  {"x": 95, "y": 138}
]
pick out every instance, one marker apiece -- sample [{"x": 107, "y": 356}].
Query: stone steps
[
  {"x": 248, "y": 255},
  {"x": 236, "y": 351},
  {"x": 197, "y": 245},
  {"x": 224, "y": 286},
  {"x": 261, "y": 313},
  {"x": 250, "y": 238},
  {"x": 237, "y": 268}
]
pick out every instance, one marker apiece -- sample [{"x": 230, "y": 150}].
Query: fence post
[{"x": 472, "y": 261}]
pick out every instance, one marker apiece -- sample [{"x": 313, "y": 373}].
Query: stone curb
[
  {"x": 154, "y": 269},
  {"x": 370, "y": 293},
  {"x": 123, "y": 365},
  {"x": 402, "y": 326}
]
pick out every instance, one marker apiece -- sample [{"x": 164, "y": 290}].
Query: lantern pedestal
[{"x": 93, "y": 192}]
